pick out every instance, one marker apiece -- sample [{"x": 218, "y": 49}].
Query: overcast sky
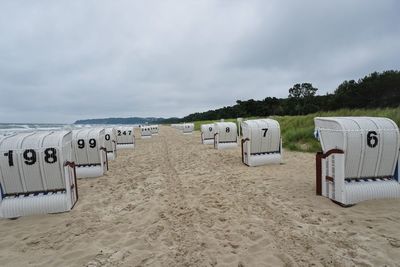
[{"x": 66, "y": 60}]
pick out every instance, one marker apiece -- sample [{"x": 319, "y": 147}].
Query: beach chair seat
[
  {"x": 145, "y": 132},
  {"x": 125, "y": 137},
  {"x": 154, "y": 129},
  {"x": 225, "y": 135},
  {"x": 188, "y": 128},
  {"x": 359, "y": 159},
  {"x": 261, "y": 143},
  {"x": 90, "y": 153},
  {"x": 207, "y": 134},
  {"x": 37, "y": 174}
]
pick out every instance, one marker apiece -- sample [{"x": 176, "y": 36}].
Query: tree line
[{"x": 376, "y": 90}]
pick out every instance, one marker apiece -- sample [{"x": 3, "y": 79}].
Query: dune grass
[{"x": 298, "y": 131}]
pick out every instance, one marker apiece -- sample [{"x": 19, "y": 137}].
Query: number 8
[{"x": 50, "y": 155}]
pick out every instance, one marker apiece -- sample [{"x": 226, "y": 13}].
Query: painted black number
[
  {"x": 92, "y": 143},
  {"x": 129, "y": 132},
  {"x": 210, "y": 129},
  {"x": 81, "y": 143},
  {"x": 29, "y": 156},
  {"x": 9, "y": 154},
  {"x": 107, "y": 137},
  {"x": 265, "y": 132},
  {"x": 119, "y": 133},
  {"x": 372, "y": 139},
  {"x": 227, "y": 129},
  {"x": 50, "y": 155},
  {"x": 124, "y": 133}
]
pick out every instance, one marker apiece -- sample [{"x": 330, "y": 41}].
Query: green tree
[
  {"x": 301, "y": 99},
  {"x": 303, "y": 90}
]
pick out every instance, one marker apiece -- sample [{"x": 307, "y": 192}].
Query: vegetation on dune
[{"x": 376, "y": 90}]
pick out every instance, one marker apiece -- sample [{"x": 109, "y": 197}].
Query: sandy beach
[{"x": 175, "y": 202}]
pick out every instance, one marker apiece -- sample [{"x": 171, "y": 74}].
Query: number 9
[
  {"x": 29, "y": 156},
  {"x": 81, "y": 143},
  {"x": 92, "y": 143}
]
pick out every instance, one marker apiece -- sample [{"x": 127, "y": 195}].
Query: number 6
[{"x": 372, "y": 139}]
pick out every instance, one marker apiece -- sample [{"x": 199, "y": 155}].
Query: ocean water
[{"x": 11, "y": 128}]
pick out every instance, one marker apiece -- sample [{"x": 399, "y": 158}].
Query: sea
[{"x": 12, "y": 128}]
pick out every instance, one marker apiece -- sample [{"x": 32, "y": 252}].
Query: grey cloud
[{"x": 63, "y": 60}]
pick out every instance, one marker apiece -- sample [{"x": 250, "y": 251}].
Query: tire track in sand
[{"x": 186, "y": 249}]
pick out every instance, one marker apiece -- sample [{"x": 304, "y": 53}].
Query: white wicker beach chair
[
  {"x": 188, "y": 128},
  {"x": 261, "y": 143},
  {"x": 207, "y": 134},
  {"x": 145, "y": 132},
  {"x": 125, "y": 137},
  {"x": 359, "y": 159},
  {"x": 37, "y": 174},
  {"x": 225, "y": 135},
  {"x": 90, "y": 154}
]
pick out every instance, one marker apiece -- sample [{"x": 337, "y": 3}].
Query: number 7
[{"x": 265, "y": 131}]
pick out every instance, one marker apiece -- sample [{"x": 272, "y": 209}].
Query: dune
[{"x": 175, "y": 202}]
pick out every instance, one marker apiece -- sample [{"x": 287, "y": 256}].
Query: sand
[{"x": 175, "y": 202}]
